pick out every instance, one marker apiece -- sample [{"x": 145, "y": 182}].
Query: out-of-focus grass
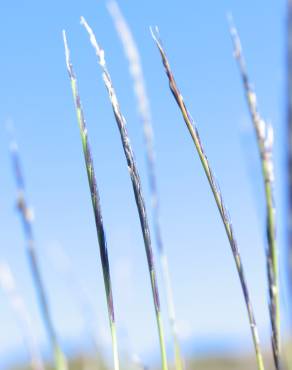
[
  {"x": 212, "y": 362},
  {"x": 224, "y": 363},
  {"x": 79, "y": 363}
]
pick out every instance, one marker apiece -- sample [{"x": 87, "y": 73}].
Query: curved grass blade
[
  {"x": 136, "y": 183},
  {"x": 95, "y": 202},
  {"x": 27, "y": 221},
  {"x": 136, "y": 71},
  {"x": 217, "y": 195},
  {"x": 7, "y": 282},
  {"x": 264, "y": 136}
]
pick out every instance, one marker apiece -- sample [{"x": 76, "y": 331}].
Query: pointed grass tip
[
  {"x": 155, "y": 33},
  {"x": 67, "y": 55},
  {"x": 99, "y": 51},
  {"x": 234, "y": 35}
]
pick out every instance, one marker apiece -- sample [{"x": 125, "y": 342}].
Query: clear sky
[{"x": 35, "y": 94}]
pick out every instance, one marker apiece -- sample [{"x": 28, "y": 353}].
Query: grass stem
[
  {"x": 136, "y": 183},
  {"x": 27, "y": 220},
  {"x": 216, "y": 193},
  {"x": 136, "y": 71},
  {"x": 95, "y": 203},
  {"x": 264, "y": 136},
  {"x": 23, "y": 317}
]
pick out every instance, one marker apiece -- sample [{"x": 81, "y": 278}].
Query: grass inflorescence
[
  {"x": 135, "y": 67},
  {"x": 95, "y": 203},
  {"x": 136, "y": 183},
  {"x": 26, "y": 215},
  {"x": 264, "y": 136},
  {"x": 216, "y": 193}
]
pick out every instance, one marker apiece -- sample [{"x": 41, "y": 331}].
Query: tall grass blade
[
  {"x": 26, "y": 215},
  {"x": 264, "y": 136},
  {"x": 95, "y": 203},
  {"x": 136, "y": 71},
  {"x": 217, "y": 195},
  {"x": 23, "y": 317},
  {"x": 136, "y": 183}
]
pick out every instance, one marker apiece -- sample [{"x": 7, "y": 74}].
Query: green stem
[
  {"x": 161, "y": 341},
  {"x": 95, "y": 202},
  {"x": 136, "y": 71},
  {"x": 115, "y": 345},
  {"x": 265, "y": 147},
  {"x": 60, "y": 359},
  {"x": 136, "y": 183}
]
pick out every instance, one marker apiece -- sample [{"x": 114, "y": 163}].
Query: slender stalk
[
  {"x": 27, "y": 222},
  {"x": 95, "y": 203},
  {"x": 136, "y": 71},
  {"x": 264, "y": 136},
  {"x": 136, "y": 183},
  {"x": 217, "y": 195},
  {"x": 22, "y": 315}
]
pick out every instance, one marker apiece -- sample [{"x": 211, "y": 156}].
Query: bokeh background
[{"x": 35, "y": 95}]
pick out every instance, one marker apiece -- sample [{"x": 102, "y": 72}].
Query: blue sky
[{"x": 35, "y": 94}]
